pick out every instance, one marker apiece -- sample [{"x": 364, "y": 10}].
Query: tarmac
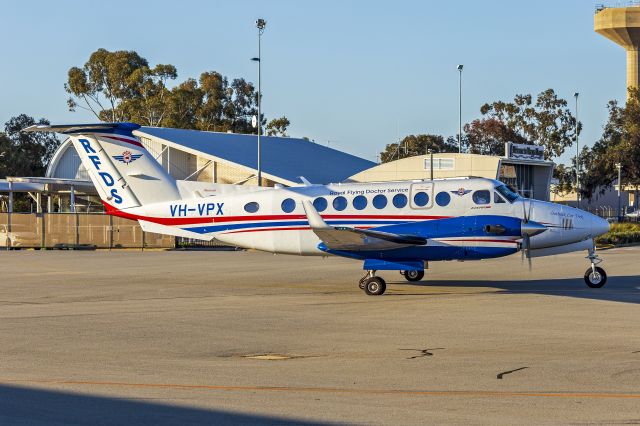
[{"x": 178, "y": 337}]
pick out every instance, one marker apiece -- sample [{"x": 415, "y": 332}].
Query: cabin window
[
  {"x": 339, "y": 203},
  {"x": 443, "y": 199},
  {"x": 481, "y": 197},
  {"x": 421, "y": 199},
  {"x": 498, "y": 198},
  {"x": 379, "y": 201},
  {"x": 251, "y": 207},
  {"x": 288, "y": 205},
  {"x": 360, "y": 202},
  {"x": 320, "y": 204},
  {"x": 399, "y": 200}
]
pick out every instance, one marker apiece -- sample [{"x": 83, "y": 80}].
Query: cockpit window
[
  {"x": 507, "y": 193},
  {"x": 498, "y": 199}
]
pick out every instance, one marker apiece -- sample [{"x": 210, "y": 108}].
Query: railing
[
  {"x": 75, "y": 230},
  {"x": 628, "y": 3}
]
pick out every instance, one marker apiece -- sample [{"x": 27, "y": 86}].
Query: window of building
[
  {"x": 320, "y": 204},
  {"x": 360, "y": 202},
  {"x": 379, "y": 201},
  {"x": 288, "y": 205},
  {"x": 339, "y": 203},
  {"x": 421, "y": 199},
  {"x": 481, "y": 197},
  {"x": 399, "y": 200},
  {"x": 443, "y": 199},
  {"x": 251, "y": 207},
  {"x": 440, "y": 164}
]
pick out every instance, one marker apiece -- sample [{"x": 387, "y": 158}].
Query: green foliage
[
  {"x": 621, "y": 233},
  {"x": 488, "y": 136},
  {"x": 278, "y": 126},
  {"x": 620, "y": 143},
  {"x": 121, "y": 86},
  {"x": 547, "y": 122},
  {"x": 566, "y": 179},
  {"x": 417, "y": 145},
  {"x": 25, "y": 154}
]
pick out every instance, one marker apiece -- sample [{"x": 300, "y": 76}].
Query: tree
[
  {"x": 416, "y": 145},
  {"x": 620, "y": 143},
  {"x": 278, "y": 127},
  {"x": 547, "y": 122},
  {"x": 25, "y": 154},
  {"x": 488, "y": 136},
  {"x": 120, "y": 86}
]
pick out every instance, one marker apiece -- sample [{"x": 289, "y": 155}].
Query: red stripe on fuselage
[{"x": 221, "y": 219}]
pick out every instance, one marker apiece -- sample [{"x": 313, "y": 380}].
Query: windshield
[{"x": 507, "y": 193}]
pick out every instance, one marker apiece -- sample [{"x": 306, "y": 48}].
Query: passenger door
[{"x": 421, "y": 196}]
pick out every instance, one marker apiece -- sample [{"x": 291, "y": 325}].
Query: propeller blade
[{"x": 526, "y": 248}]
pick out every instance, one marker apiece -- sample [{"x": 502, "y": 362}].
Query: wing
[{"x": 345, "y": 238}]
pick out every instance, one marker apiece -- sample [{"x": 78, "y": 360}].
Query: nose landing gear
[
  {"x": 595, "y": 276},
  {"x": 372, "y": 285}
]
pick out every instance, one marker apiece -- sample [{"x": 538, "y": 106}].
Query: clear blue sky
[{"x": 351, "y": 74}]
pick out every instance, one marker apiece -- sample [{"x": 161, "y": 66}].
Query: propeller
[{"x": 528, "y": 229}]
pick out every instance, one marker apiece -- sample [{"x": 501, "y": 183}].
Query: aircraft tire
[
  {"x": 414, "y": 275},
  {"x": 375, "y": 286},
  {"x": 595, "y": 281}
]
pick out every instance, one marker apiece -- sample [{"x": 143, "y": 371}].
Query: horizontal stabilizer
[{"x": 82, "y": 128}]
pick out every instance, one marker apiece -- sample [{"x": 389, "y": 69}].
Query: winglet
[{"x": 314, "y": 218}]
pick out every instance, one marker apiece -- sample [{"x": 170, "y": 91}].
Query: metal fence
[{"x": 72, "y": 230}]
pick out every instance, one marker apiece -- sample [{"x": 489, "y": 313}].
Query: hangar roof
[{"x": 287, "y": 158}]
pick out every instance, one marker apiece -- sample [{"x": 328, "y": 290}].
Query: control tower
[{"x": 622, "y": 26}]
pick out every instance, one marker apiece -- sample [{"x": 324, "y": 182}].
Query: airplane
[{"x": 389, "y": 226}]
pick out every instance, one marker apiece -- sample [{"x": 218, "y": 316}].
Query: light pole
[
  {"x": 460, "y": 109},
  {"x": 260, "y": 24},
  {"x": 575, "y": 95},
  {"x": 619, "y": 167}
]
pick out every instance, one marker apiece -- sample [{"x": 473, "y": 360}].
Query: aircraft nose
[{"x": 599, "y": 226}]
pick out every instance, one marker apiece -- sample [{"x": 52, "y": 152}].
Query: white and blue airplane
[{"x": 399, "y": 225}]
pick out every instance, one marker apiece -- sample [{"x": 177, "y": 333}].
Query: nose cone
[
  {"x": 532, "y": 228},
  {"x": 599, "y": 226}
]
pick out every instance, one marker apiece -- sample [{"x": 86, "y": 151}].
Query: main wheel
[
  {"x": 596, "y": 280},
  {"x": 414, "y": 275},
  {"x": 375, "y": 286}
]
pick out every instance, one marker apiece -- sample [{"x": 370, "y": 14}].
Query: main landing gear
[
  {"x": 412, "y": 276},
  {"x": 372, "y": 285},
  {"x": 595, "y": 277}
]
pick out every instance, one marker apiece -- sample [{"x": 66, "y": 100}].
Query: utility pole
[
  {"x": 460, "y": 109},
  {"x": 619, "y": 166},
  {"x": 260, "y": 24},
  {"x": 577, "y": 153}
]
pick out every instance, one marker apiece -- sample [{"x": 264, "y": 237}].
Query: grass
[{"x": 621, "y": 233}]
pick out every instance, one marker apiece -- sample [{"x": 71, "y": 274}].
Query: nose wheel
[
  {"x": 372, "y": 285},
  {"x": 595, "y": 276}
]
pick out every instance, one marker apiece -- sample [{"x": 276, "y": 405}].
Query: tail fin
[{"x": 125, "y": 174}]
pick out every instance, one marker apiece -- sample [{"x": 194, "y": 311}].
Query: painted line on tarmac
[{"x": 364, "y": 391}]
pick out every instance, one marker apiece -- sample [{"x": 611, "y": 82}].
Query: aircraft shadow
[
  {"x": 31, "y": 406},
  {"x": 618, "y": 288}
]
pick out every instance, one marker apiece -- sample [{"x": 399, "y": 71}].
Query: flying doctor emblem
[
  {"x": 461, "y": 191},
  {"x": 127, "y": 157}
]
